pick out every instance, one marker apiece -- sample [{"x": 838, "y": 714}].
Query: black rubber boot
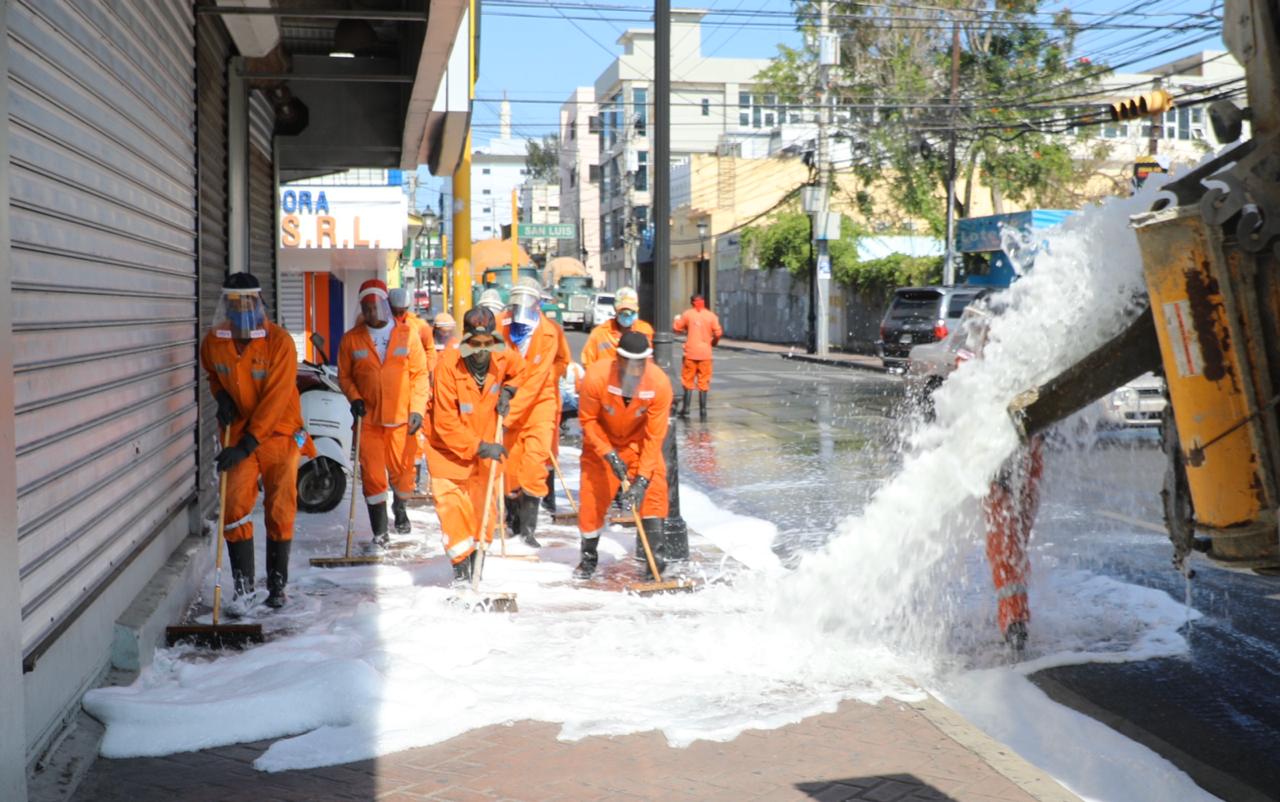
[
  {"x": 590, "y": 557},
  {"x": 513, "y": 514},
  {"x": 240, "y": 555},
  {"x": 277, "y": 572},
  {"x": 655, "y": 530},
  {"x": 549, "y": 500},
  {"x": 684, "y": 404},
  {"x": 378, "y": 524},
  {"x": 529, "y": 519},
  {"x": 462, "y": 570},
  {"x": 403, "y": 527},
  {"x": 702, "y": 405}
]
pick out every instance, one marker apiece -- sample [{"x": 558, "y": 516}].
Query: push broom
[
  {"x": 492, "y": 602},
  {"x": 658, "y": 585},
  {"x": 217, "y": 635},
  {"x": 350, "y": 559},
  {"x": 572, "y": 517}
]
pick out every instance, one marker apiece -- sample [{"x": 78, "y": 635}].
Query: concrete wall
[{"x": 773, "y": 307}]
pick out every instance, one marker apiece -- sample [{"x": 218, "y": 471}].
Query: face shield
[
  {"x": 376, "y": 310},
  {"x": 242, "y": 315},
  {"x": 525, "y": 309},
  {"x": 441, "y": 335},
  {"x": 630, "y": 372}
]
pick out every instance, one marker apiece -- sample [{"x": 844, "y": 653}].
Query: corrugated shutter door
[
  {"x": 213, "y": 50},
  {"x": 262, "y": 199},
  {"x": 293, "y": 310},
  {"x": 103, "y": 228}
]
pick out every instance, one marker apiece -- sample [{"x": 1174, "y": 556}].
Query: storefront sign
[{"x": 327, "y": 217}]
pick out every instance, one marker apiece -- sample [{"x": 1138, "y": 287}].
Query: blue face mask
[
  {"x": 627, "y": 318},
  {"x": 520, "y": 332}
]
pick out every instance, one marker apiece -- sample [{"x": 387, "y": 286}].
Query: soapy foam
[{"x": 374, "y": 660}]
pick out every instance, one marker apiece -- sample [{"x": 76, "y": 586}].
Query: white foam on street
[{"x": 368, "y": 661}]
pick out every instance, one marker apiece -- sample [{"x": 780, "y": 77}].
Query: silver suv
[{"x": 919, "y": 315}]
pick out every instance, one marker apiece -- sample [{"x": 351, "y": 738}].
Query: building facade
[
  {"x": 540, "y": 203},
  {"x": 580, "y": 179},
  {"x": 497, "y": 170}
]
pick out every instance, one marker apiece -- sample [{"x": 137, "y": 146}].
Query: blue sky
[{"x": 536, "y": 54}]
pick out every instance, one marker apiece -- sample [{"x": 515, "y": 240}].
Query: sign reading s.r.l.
[{"x": 332, "y": 217}]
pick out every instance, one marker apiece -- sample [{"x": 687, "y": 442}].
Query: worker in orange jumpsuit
[
  {"x": 702, "y": 332},
  {"x": 252, "y": 365},
  {"x": 623, "y": 409},
  {"x": 443, "y": 332},
  {"x": 531, "y": 426},
  {"x": 604, "y": 338},
  {"x": 1010, "y": 511},
  {"x": 382, "y": 369},
  {"x": 404, "y": 316},
  {"x": 473, "y": 385}
]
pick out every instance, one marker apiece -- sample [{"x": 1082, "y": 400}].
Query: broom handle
[
  {"x": 555, "y": 463},
  {"x": 355, "y": 482},
  {"x": 502, "y": 510},
  {"x": 222, "y": 531},
  {"x": 484, "y": 518},
  {"x": 644, "y": 537}
]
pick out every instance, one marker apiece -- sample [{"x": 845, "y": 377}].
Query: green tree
[
  {"x": 892, "y": 99},
  {"x": 543, "y": 158}
]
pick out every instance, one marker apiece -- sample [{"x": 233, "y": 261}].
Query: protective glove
[
  {"x": 491, "y": 451},
  {"x": 575, "y": 372},
  {"x": 635, "y": 493},
  {"x": 357, "y": 408},
  {"x": 415, "y": 423},
  {"x": 504, "y": 399},
  {"x": 229, "y": 458},
  {"x": 619, "y": 467},
  {"x": 227, "y": 411}
]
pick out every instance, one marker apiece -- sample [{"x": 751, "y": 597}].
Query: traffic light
[{"x": 1149, "y": 104}]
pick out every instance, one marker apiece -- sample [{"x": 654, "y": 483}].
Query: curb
[{"x": 803, "y": 357}]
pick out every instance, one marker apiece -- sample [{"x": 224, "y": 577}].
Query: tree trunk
[
  {"x": 969, "y": 173},
  {"x": 997, "y": 201}
]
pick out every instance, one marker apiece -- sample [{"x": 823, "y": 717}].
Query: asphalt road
[{"x": 805, "y": 446}]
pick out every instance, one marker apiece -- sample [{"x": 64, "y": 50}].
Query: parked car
[
  {"x": 599, "y": 311},
  {"x": 918, "y": 316},
  {"x": 1140, "y": 403}
]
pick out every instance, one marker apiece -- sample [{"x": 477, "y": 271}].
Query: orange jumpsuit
[
  {"x": 634, "y": 430},
  {"x": 702, "y": 330},
  {"x": 1010, "y": 510},
  {"x": 604, "y": 338},
  {"x": 462, "y": 416},
  {"x": 532, "y": 421},
  {"x": 427, "y": 336},
  {"x": 391, "y": 389},
  {"x": 263, "y": 383}
]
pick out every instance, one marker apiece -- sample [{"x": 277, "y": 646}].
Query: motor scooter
[{"x": 326, "y": 415}]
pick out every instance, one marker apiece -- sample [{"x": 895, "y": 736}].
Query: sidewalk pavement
[
  {"x": 797, "y": 352},
  {"x": 890, "y": 752}
]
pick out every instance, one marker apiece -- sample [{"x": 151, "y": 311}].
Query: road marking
[{"x": 1138, "y": 522}]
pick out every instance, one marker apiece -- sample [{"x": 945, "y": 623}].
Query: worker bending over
[
  {"x": 623, "y": 410},
  {"x": 604, "y": 338},
  {"x": 702, "y": 332},
  {"x": 252, "y": 366},
  {"x": 474, "y": 384},
  {"x": 382, "y": 369},
  {"x": 534, "y": 417}
]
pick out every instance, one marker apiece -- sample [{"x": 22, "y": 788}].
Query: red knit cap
[{"x": 373, "y": 287}]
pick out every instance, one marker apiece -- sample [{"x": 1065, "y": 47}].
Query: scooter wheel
[{"x": 321, "y": 485}]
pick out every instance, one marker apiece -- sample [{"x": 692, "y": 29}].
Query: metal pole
[
  {"x": 823, "y": 334},
  {"x": 515, "y": 235},
  {"x": 660, "y": 192},
  {"x": 949, "y": 266},
  {"x": 462, "y": 235},
  {"x": 1157, "y": 125},
  {"x": 812, "y": 341}
]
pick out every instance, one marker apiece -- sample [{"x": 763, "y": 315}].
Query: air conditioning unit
[
  {"x": 593, "y": 125},
  {"x": 593, "y": 173}
]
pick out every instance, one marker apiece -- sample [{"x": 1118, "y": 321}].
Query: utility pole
[
  {"x": 826, "y": 59},
  {"x": 660, "y": 192},
  {"x": 515, "y": 234},
  {"x": 1157, "y": 124},
  {"x": 949, "y": 266},
  {"x": 462, "y": 234}
]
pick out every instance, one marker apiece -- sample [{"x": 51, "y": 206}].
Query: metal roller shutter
[
  {"x": 262, "y": 200},
  {"x": 293, "y": 310},
  {"x": 213, "y": 50},
  {"x": 104, "y": 322}
]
